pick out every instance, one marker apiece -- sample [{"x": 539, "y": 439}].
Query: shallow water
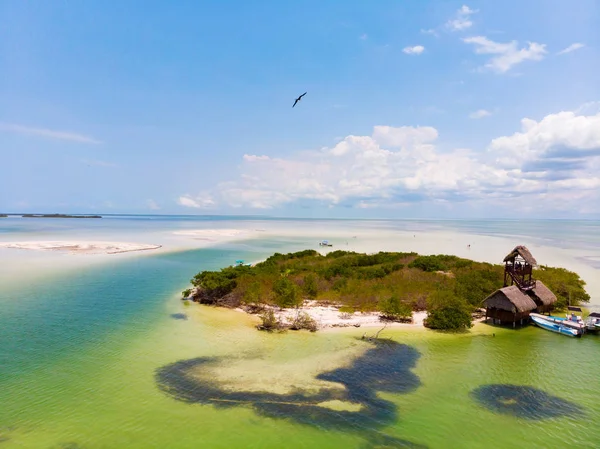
[{"x": 107, "y": 356}]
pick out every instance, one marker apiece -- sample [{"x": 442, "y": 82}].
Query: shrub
[
  {"x": 286, "y": 293},
  {"x": 215, "y": 283},
  {"x": 568, "y": 287},
  {"x": 186, "y": 293},
  {"x": 427, "y": 263},
  {"x": 438, "y": 262},
  {"x": 476, "y": 283},
  {"x": 304, "y": 321},
  {"x": 252, "y": 293},
  {"x": 311, "y": 288},
  {"x": 445, "y": 311},
  {"x": 340, "y": 284},
  {"x": 269, "y": 321},
  {"x": 393, "y": 308}
]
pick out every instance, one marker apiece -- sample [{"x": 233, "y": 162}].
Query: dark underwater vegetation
[
  {"x": 385, "y": 367},
  {"x": 524, "y": 402}
]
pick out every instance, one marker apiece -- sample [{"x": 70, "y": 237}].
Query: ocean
[{"x": 100, "y": 352}]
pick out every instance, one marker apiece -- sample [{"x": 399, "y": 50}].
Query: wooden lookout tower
[
  {"x": 518, "y": 269},
  {"x": 521, "y": 294}
]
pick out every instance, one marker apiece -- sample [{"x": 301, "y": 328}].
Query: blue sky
[{"x": 414, "y": 109}]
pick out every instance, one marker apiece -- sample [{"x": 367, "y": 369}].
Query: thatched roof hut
[
  {"x": 510, "y": 299},
  {"x": 509, "y": 304},
  {"x": 524, "y": 253},
  {"x": 543, "y": 297}
]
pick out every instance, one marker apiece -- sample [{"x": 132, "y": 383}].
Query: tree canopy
[{"x": 395, "y": 284}]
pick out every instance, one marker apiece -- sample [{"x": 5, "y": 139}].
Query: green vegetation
[
  {"x": 395, "y": 284},
  {"x": 446, "y": 311},
  {"x": 568, "y": 287},
  {"x": 393, "y": 308}
]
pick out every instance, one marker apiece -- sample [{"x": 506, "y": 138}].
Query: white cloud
[
  {"x": 404, "y": 136},
  {"x": 564, "y": 140},
  {"x": 201, "y": 201},
  {"x": 507, "y": 54},
  {"x": 430, "y": 31},
  {"x": 462, "y": 19},
  {"x": 48, "y": 133},
  {"x": 480, "y": 113},
  {"x": 416, "y": 50},
  {"x": 550, "y": 163},
  {"x": 570, "y": 48},
  {"x": 152, "y": 205}
]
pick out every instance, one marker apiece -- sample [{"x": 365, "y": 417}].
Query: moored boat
[
  {"x": 592, "y": 322},
  {"x": 556, "y": 325}
]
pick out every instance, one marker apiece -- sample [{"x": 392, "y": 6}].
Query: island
[
  {"x": 81, "y": 247},
  {"x": 59, "y": 216},
  {"x": 309, "y": 290},
  {"x": 3, "y": 216}
]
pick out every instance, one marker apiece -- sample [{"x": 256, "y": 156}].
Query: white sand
[
  {"x": 80, "y": 247},
  {"x": 331, "y": 317},
  {"x": 214, "y": 234}
]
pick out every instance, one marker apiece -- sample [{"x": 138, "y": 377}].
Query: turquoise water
[{"x": 107, "y": 356}]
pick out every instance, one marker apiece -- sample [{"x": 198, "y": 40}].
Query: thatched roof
[
  {"x": 511, "y": 299},
  {"x": 524, "y": 253},
  {"x": 543, "y": 293}
]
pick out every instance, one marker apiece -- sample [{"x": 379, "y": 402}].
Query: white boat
[
  {"x": 553, "y": 324},
  {"x": 592, "y": 322}
]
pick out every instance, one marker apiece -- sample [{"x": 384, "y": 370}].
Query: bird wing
[
  {"x": 303, "y": 94},
  {"x": 295, "y": 102}
]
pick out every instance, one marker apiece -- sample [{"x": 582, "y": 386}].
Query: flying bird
[{"x": 299, "y": 98}]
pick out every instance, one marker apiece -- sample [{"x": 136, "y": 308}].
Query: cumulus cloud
[
  {"x": 201, "y": 201},
  {"x": 481, "y": 113},
  {"x": 570, "y": 48},
  {"x": 507, "y": 55},
  {"x": 550, "y": 163},
  {"x": 562, "y": 139},
  {"x": 48, "y": 133},
  {"x": 416, "y": 50},
  {"x": 461, "y": 20}
]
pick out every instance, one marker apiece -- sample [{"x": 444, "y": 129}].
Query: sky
[{"x": 428, "y": 109}]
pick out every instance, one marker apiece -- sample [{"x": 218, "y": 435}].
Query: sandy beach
[
  {"x": 87, "y": 247},
  {"x": 329, "y": 317}
]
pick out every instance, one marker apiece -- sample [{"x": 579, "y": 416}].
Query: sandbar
[{"x": 77, "y": 247}]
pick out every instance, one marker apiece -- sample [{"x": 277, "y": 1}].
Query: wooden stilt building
[{"x": 521, "y": 294}]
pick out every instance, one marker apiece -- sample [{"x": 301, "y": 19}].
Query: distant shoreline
[{"x": 49, "y": 216}]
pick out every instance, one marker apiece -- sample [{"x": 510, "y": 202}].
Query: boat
[
  {"x": 553, "y": 324},
  {"x": 592, "y": 322},
  {"x": 241, "y": 263},
  {"x": 325, "y": 243}
]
